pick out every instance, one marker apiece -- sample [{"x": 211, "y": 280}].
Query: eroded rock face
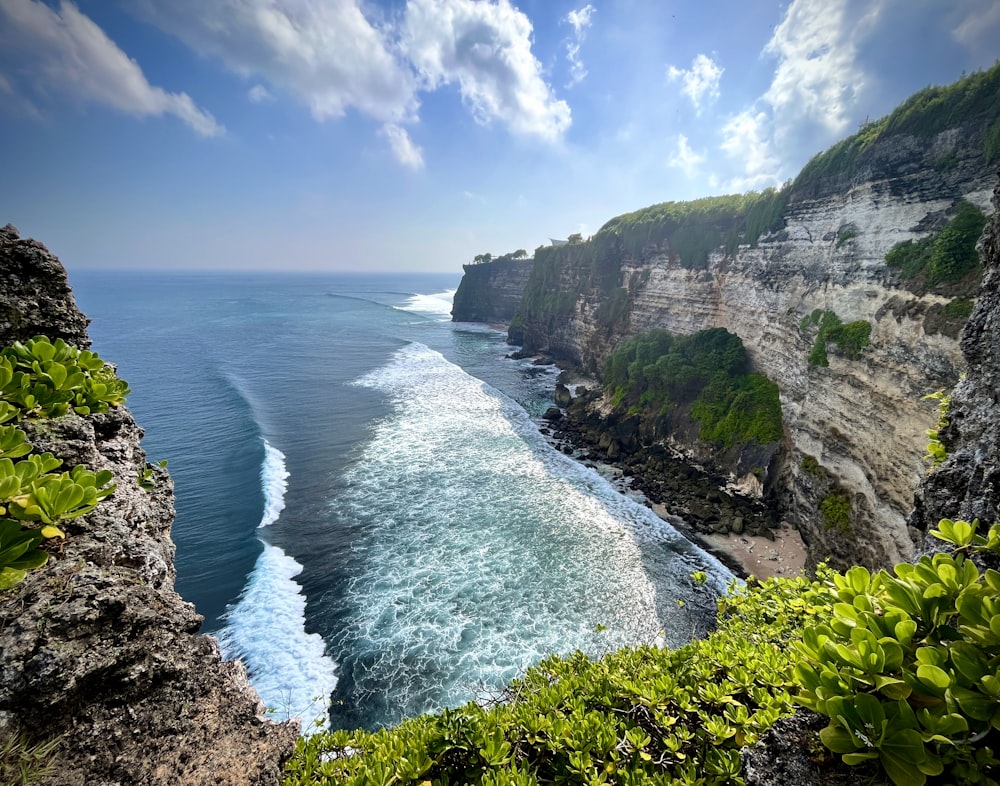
[
  {"x": 97, "y": 648},
  {"x": 967, "y": 484},
  {"x": 855, "y": 430},
  {"x": 35, "y": 298},
  {"x": 491, "y": 291}
]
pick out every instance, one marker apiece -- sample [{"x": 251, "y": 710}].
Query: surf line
[{"x": 265, "y": 628}]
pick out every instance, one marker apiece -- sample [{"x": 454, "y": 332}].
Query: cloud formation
[
  {"x": 484, "y": 49},
  {"x": 580, "y": 20},
  {"x": 814, "y": 91},
  {"x": 699, "y": 81},
  {"x": 72, "y": 56},
  {"x": 328, "y": 55},
  {"x": 403, "y": 148},
  {"x": 258, "y": 94},
  {"x": 685, "y": 158}
]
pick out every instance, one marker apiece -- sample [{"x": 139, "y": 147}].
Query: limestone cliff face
[
  {"x": 967, "y": 484},
  {"x": 491, "y": 291},
  {"x": 99, "y": 652},
  {"x": 862, "y": 420}
]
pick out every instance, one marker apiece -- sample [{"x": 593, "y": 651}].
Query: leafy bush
[
  {"x": 849, "y": 339},
  {"x": 637, "y": 716},
  {"x": 936, "y": 451},
  {"x": 944, "y": 258},
  {"x": 657, "y": 371},
  {"x": 906, "y": 665},
  {"x": 45, "y": 379},
  {"x": 836, "y": 510}
]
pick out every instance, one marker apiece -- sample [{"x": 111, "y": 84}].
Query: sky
[{"x": 412, "y": 135}]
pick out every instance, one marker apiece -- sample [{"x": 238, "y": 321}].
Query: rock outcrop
[
  {"x": 99, "y": 654},
  {"x": 967, "y": 484},
  {"x": 855, "y": 428},
  {"x": 491, "y": 291}
]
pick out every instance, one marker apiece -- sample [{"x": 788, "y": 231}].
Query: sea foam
[
  {"x": 265, "y": 628},
  {"x": 438, "y": 305},
  {"x": 484, "y": 549}
]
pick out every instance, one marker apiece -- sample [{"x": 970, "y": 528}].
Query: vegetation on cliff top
[
  {"x": 972, "y": 101},
  {"x": 656, "y": 372},
  {"x": 694, "y": 229}
]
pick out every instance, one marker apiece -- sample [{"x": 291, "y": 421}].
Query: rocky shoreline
[{"x": 707, "y": 507}]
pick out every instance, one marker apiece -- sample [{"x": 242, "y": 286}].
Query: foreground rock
[{"x": 99, "y": 652}]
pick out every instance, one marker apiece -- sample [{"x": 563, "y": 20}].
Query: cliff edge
[{"x": 101, "y": 657}]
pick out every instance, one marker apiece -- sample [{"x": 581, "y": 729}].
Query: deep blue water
[{"x": 366, "y": 511}]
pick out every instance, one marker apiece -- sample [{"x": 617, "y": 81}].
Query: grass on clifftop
[{"x": 973, "y": 100}]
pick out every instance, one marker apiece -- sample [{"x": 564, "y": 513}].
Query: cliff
[
  {"x": 100, "y": 656},
  {"x": 491, "y": 291},
  {"x": 967, "y": 483},
  {"x": 772, "y": 271}
]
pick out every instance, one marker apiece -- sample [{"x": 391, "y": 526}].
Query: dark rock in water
[
  {"x": 99, "y": 651},
  {"x": 562, "y": 396},
  {"x": 553, "y": 414},
  {"x": 35, "y": 298}
]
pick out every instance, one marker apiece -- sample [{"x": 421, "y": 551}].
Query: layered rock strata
[
  {"x": 855, "y": 429},
  {"x": 100, "y": 654},
  {"x": 491, "y": 291}
]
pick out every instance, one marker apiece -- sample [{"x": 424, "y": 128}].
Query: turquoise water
[{"x": 366, "y": 512}]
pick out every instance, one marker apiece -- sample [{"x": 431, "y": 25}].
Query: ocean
[{"x": 367, "y": 514}]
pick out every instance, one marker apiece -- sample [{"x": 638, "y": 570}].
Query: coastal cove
[{"x": 420, "y": 541}]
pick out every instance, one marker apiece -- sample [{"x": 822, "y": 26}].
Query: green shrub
[
  {"x": 936, "y": 451},
  {"x": 836, "y": 510},
  {"x": 641, "y": 715},
  {"x": 706, "y": 371},
  {"x": 45, "y": 379},
  {"x": 958, "y": 308},
  {"x": 944, "y": 258},
  {"x": 906, "y": 665},
  {"x": 849, "y": 339}
]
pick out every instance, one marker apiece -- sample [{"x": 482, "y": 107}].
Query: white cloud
[
  {"x": 747, "y": 138},
  {"x": 258, "y": 94},
  {"x": 580, "y": 20},
  {"x": 327, "y": 54},
  {"x": 72, "y": 55},
  {"x": 699, "y": 81},
  {"x": 979, "y": 29},
  {"x": 484, "y": 48},
  {"x": 813, "y": 94},
  {"x": 685, "y": 158},
  {"x": 406, "y": 153}
]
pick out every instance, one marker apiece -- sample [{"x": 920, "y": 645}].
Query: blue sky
[{"x": 415, "y": 134}]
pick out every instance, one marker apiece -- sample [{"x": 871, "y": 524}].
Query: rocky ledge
[{"x": 101, "y": 657}]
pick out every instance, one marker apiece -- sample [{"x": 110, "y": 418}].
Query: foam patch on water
[
  {"x": 437, "y": 305},
  {"x": 266, "y": 627},
  {"x": 484, "y": 549},
  {"x": 274, "y": 480}
]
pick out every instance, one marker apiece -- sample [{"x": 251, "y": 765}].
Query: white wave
[
  {"x": 274, "y": 480},
  {"x": 438, "y": 305},
  {"x": 487, "y": 549},
  {"x": 266, "y": 630}
]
